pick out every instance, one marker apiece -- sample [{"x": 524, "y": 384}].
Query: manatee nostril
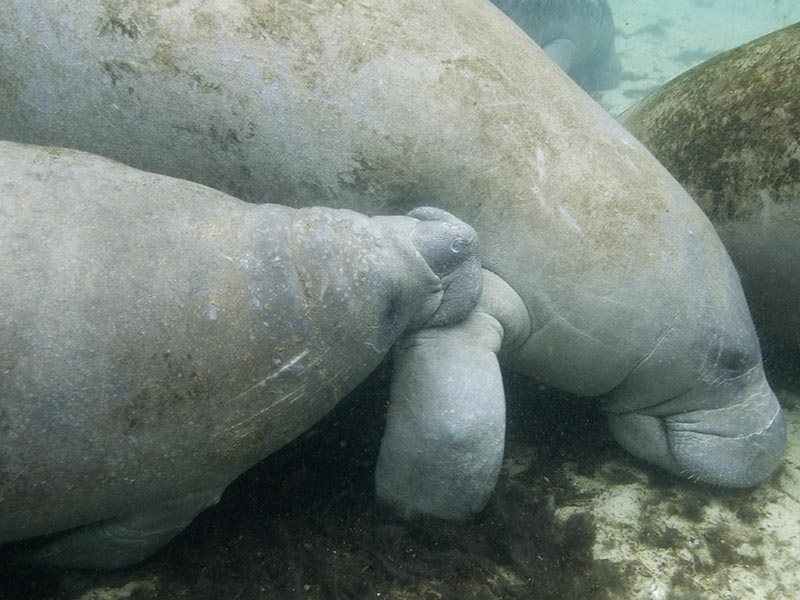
[
  {"x": 461, "y": 245},
  {"x": 443, "y": 240}
]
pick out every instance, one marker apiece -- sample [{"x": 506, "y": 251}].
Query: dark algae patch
[
  {"x": 304, "y": 524},
  {"x": 724, "y": 547}
]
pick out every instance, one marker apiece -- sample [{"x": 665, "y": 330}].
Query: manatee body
[
  {"x": 728, "y": 130},
  {"x": 629, "y": 293},
  {"x": 160, "y": 337},
  {"x": 576, "y": 34}
]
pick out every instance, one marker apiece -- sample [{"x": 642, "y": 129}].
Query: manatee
[
  {"x": 629, "y": 296},
  {"x": 577, "y": 34},
  {"x": 444, "y": 440},
  {"x": 728, "y": 130},
  {"x": 160, "y": 337}
]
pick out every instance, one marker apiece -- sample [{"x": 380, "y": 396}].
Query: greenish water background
[{"x": 658, "y": 39}]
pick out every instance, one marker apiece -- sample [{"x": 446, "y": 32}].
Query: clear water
[{"x": 659, "y": 39}]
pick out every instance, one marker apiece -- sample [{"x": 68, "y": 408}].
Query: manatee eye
[{"x": 736, "y": 359}]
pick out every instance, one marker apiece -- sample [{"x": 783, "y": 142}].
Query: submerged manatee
[
  {"x": 160, "y": 337},
  {"x": 627, "y": 291},
  {"x": 577, "y": 34},
  {"x": 729, "y": 130}
]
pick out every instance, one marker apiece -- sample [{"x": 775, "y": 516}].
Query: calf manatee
[
  {"x": 728, "y": 130},
  {"x": 381, "y": 106},
  {"x": 577, "y": 34},
  {"x": 160, "y": 337}
]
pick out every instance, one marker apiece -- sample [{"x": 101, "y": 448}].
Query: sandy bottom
[
  {"x": 657, "y": 40},
  {"x": 689, "y": 542}
]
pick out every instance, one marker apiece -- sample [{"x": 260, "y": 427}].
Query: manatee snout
[
  {"x": 737, "y": 445},
  {"x": 450, "y": 248}
]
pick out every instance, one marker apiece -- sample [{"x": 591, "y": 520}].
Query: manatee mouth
[
  {"x": 736, "y": 446},
  {"x": 702, "y": 453}
]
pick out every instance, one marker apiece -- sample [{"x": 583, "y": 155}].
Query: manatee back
[
  {"x": 462, "y": 112},
  {"x": 159, "y": 337}
]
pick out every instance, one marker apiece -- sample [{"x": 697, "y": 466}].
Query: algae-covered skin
[
  {"x": 729, "y": 130},
  {"x": 160, "y": 337},
  {"x": 376, "y": 105}
]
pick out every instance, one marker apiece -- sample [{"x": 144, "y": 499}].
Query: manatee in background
[
  {"x": 729, "y": 130},
  {"x": 160, "y": 337},
  {"x": 627, "y": 290},
  {"x": 577, "y": 34}
]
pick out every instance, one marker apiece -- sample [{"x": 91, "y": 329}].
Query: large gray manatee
[
  {"x": 729, "y": 131},
  {"x": 577, "y": 34},
  {"x": 628, "y": 292},
  {"x": 160, "y": 337}
]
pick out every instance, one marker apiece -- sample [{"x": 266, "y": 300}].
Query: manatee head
[
  {"x": 712, "y": 416},
  {"x": 433, "y": 278}
]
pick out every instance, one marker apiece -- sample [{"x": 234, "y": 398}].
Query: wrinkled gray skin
[
  {"x": 160, "y": 337},
  {"x": 728, "y": 130},
  {"x": 445, "y": 430},
  {"x": 375, "y": 106},
  {"x": 577, "y": 34}
]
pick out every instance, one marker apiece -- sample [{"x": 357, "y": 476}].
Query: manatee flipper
[
  {"x": 563, "y": 52},
  {"x": 121, "y": 541},
  {"x": 445, "y": 431}
]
